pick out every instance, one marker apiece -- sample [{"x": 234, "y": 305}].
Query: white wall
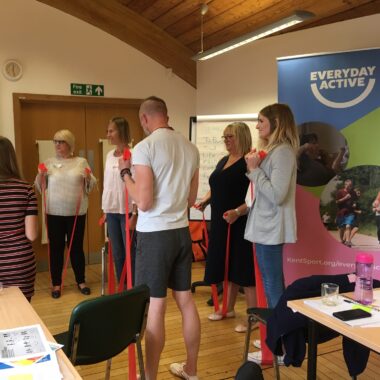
[
  {"x": 56, "y": 49},
  {"x": 245, "y": 79}
]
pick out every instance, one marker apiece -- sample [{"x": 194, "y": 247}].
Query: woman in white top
[
  {"x": 113, "y": 199},
  {"x": 68, "y": 181}
]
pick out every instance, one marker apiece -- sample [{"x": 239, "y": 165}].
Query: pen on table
[{"x": 372, "y": 307}]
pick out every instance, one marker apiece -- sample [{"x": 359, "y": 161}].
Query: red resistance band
[
  {"x": 72, "y": 235},
  {"x": 43, "y": 170},
  {"x": 214, "y": 289},
  {"x": 128, "y": 264},
  {"x": 226, "y": 270}
]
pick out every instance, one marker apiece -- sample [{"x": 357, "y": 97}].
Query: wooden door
[{"x": 38, "y": 117}]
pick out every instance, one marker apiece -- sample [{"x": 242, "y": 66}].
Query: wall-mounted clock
[{"x": 12, "y": 69}]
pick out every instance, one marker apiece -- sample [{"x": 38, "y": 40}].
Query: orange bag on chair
[{"x": 198, "y": 239}]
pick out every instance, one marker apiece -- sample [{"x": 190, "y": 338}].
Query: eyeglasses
[
  {"x": 227, "y": 137},
  {"x": 58, "y": 142}
]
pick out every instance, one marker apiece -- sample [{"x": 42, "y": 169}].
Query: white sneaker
[
  {"x": 257, "y": 343},
  {"x": 256, "y": 357},
  {"x": 177, "y": 369}
]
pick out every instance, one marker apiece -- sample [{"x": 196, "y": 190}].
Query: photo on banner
[{"x": 335, "y": 98}]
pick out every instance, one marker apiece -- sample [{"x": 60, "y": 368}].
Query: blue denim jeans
[
  {"x": 116, "y": 234},
  {"x": 269, "y": 259}
]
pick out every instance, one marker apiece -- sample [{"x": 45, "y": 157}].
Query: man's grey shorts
[{"x": 163, "y": 260}]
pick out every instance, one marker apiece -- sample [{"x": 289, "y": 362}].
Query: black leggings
[
  {"x": 60, "y": 229},
  {"x": 378, "y": 227}
]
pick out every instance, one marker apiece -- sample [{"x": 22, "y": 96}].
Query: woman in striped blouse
[{"x": 18, "y": 224}]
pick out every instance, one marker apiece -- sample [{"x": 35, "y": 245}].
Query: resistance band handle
[
  {"x": 262, "y": 153},
  {"x": 42, "y": 167},
  {"x": 126, "y": 154}
]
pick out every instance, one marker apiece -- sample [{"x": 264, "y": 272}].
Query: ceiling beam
[{"x": 119, "y": 21}]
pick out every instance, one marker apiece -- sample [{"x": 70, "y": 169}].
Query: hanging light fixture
[
  {"x": 287, "y": 22},
  {"x": 204, "y": 10}
]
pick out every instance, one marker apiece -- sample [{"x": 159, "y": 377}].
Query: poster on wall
[
  {"x": 206, "y": 133},
  {"x": 335, "y": 98}
]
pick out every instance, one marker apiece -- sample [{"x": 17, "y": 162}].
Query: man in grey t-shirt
[{"x": 165, "y": 184}]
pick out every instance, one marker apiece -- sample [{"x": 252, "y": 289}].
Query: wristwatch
[{"x": 125, "y": 171}]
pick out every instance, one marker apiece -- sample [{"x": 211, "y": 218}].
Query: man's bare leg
[
  {"x": 154, "y": 336},
  {"x": 191, "y": 328}
]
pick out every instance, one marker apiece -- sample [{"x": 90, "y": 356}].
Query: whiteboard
[{"x": 207, "y": 136}]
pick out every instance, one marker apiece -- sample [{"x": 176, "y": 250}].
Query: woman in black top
[{"x": 228, "y": 189}]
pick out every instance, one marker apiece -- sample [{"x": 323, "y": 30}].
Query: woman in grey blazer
[{"x": 272, "y": 219}]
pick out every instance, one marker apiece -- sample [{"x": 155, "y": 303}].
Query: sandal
[
  {"x": 218, "y": 316},
  {"x": 177, "y": 369},
  {"x": 240, "y": 328}
]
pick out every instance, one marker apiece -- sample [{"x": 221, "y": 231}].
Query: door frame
[{"x": 20, "y": 98}]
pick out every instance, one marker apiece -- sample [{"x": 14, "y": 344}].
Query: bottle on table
[{"x": 364, "y": 284}]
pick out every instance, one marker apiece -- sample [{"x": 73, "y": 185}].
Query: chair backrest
[{"x": 107, "y": 325}]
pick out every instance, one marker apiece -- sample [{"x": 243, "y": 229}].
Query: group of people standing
[
  {"x": 162, "y": 182},
  {"x": 269, "y": 222}
]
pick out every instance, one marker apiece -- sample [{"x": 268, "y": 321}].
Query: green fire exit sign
[{"x": 87, "y": 89}]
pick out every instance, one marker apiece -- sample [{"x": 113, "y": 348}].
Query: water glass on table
[{"x": 330, "y": 293}]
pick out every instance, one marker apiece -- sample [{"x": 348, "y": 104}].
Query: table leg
[{"x": 312, "y": 350}]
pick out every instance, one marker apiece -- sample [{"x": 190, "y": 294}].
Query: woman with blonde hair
[
  {"x": 18, "y": 224},
  {"x": 68, "y": 182},
  {"x": 272, "y": 221},
  {"x": 228, "y": 189}
]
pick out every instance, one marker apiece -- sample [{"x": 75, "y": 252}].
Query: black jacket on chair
[{"x": 287, "y": 328}]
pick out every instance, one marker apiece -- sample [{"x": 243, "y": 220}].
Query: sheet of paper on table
[
  {"x": 25, "y": 354},
  {"x": 373, "y": 321}
]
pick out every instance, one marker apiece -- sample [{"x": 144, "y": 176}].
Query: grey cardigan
[{"x": 272, "y": 218}]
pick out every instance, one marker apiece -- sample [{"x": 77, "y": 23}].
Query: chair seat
[
  {"x": 62, "y": 338},
  {"x": 260, "y": 313}
]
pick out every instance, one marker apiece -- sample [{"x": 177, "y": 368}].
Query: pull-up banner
[{"x": 335, "y": 98}]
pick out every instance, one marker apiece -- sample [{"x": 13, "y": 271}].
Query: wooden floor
[{"x": 221, "y": 348}]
